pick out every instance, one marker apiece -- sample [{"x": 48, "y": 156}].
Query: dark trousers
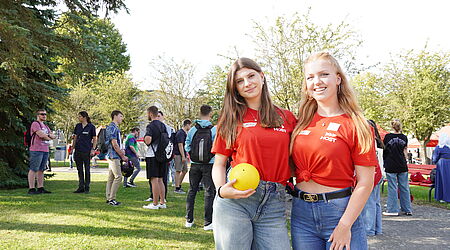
[
  {"x": 83, "y": 161},
  {"x": 164, "y": 181},
  {"x": 197, "y": 173}
]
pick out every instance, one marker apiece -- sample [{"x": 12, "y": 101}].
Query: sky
[{"x": 198, "y": 30}]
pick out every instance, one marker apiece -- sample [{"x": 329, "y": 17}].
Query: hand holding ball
[{"x": 246, "y": 175}]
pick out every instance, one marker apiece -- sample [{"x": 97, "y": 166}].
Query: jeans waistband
[{"x": 272, "y": 187}]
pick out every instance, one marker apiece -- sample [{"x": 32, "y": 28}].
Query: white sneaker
[
  {"x": 149, "y": 199},
  {"x": 162, "y": 205},
  {"x": 209, "y": 227},
  {"x": 151, "y": 206},
  {"x": 189, "y": 224},
  {"x": 390, "y": 214}
]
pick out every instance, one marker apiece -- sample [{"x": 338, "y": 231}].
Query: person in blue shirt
[
  {"x": 84, "y": 142},
  {"x": 441, "y": 157},
  {"x": 115, "y": 153},
  {"x": 200, "y": 171}
]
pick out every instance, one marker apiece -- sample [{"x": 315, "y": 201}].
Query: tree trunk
[{"x": 423, "y": 155}]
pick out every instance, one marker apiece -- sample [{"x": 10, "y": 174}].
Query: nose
[
  {"x": 316, "y": 80},
  {"x": 246, "y": 82}
]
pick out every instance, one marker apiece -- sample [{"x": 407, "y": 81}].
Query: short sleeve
[
  {"x": 179, "y": 138},
  {"x": 219, "y": 147},
  {"x": 291, "y": 120},
  {"x": 148, "y": 130},
  {"x": 366, "y": 159},
  {"x": 75, "y": 129},
  {"x": 113, "y": 133},
  {"x": 93, "y": 132},
  {"x": 35, "y": 127}
]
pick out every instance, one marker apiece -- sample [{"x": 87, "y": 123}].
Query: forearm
[
  {"x": 94, "y": 143},
  {"x": 218, "y": 175},
  {"x": 181, "y": 148},
  {"x": 117, "y": 148},
  {"x": 356, "y": 203}
]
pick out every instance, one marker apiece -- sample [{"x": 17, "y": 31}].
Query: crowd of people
[{"x": 335, "y": 154}]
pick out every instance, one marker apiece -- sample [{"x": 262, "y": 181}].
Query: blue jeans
[
  {"x": 372, "y": 212},
  {"x": 38, "y": 161},
  {"x": 398, "y": 181},
  {"x": 257, "y": 222},
  {"x": 312, "y": 224}
]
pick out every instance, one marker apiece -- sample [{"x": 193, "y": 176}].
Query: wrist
[{"x": 218, "y": 192}]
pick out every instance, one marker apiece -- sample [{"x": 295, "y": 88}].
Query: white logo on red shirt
[
  {"x": 333, "y": 126},
  {"x": 249, "y": 124},
  {"x": 280, "y": 129}
]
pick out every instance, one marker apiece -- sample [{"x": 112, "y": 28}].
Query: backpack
[
  {"x": 164, "y": 151},
  {"x": 102, "y": 144},
  {"x": 127, "y": 168},
  {"x": 28, "y": 138},
  {"x": 201, "y": 145}
]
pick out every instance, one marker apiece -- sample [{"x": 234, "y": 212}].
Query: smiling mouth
[
  {"x": 250, "y": 90},
  {"x": 319, "y": 90}
]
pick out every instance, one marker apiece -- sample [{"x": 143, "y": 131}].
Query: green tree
[
  {"x": 28, "y": 71},
  {"x": 283, "y": 47},
  {"x": 177, "y": 91},
  {"x": 419, "y": 86},
  {"x": 214, "y": 91}
]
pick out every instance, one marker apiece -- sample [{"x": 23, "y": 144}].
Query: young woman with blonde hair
[
  {"x": 251, "y": 129},
  {"x": 333, "y": 150}
]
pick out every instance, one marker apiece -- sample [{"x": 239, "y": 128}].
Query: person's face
[
  {"x": 119, "y": 118},
  {"x": 160, "y": 117},
  {"x": 188, "y": 127},
  {"x": 136, "y": 133},
  {"x": 321, "y": 80},
  {"x": 249, "y": 83},
  {"x": 42, "y": 115},
  {"x": 81, "y": 118}
]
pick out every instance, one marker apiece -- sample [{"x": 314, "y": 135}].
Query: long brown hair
[
  {"x": 347, "y": 102},
  {"x": 234, "y": 105}
]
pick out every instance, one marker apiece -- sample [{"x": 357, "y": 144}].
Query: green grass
[
  {"x": 101, "y": 164},
  {"x": 421, "y": 196},
  {"x": 63, "y": 220}
]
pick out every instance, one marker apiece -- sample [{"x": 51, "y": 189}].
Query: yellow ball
[{"x": 246, "y": 175}]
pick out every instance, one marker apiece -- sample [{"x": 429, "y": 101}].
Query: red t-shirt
[
  {"x": 327, "y": 150},
  {"x": 265, "y": 148}
]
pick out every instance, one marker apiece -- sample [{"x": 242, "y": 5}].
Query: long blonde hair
[
  {"x": 234, "y": 105},
  {"x": 347, "y": 102}
]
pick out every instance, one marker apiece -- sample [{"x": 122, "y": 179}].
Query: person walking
[
  {"x": 131, "y": 151},
  {"x": 251, "y": 129},
  {"x": 180, "y": 156},
  {"x": 441, "y": 157},
  {"x": 84, "y": 143},
  {"x": 396, "y": 167},
  {"x": 115, "y": 153},
  {"x": 198, "y": 142},
  {"x": 41, "y": 135},
  {"x": 334, "y": 155}
]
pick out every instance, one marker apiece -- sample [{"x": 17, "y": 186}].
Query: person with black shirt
[
  {"x": 155, "y": 170},
  {"x": 180, "y": 156},
  {"x": 394, "y": 156},
  {"x": 84, "y": 142}
]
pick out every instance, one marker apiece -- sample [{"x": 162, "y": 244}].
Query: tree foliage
[
  {"x": 29, "y": 46},
  {"x": 214, "y": 91},
  {"x": 283, "y": 47}
]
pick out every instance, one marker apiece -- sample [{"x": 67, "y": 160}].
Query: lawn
[{"x": 66, "y": 220}]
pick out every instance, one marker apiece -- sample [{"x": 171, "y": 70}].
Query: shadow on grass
[{"x": 146, "y": 233}]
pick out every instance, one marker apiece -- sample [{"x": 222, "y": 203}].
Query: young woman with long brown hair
[
  {"x": 251, "y": 129},
  {"x": 332, "y": 145}
]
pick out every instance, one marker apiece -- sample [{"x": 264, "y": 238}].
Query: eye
[
  {"x": 251, "y": 75},
  {"x": 325, "y": 74},
  {"x": 239, "y": 81},
  {"x": 309, "y": 78}
]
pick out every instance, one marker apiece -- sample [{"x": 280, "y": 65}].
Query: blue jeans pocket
[{"x": 339, "y": 204}]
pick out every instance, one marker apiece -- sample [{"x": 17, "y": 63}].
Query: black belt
[{"x": 320, "y": 197}]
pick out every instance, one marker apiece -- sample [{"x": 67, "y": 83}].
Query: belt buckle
[{"x": 310, "y": 197}]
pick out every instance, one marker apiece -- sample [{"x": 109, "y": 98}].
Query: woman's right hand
[{"x": 229, "y": 192}]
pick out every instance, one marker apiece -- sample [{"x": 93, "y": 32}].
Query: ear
[
  {"x": 339, "y": 79},
  {"x": 262, "y": 76}
]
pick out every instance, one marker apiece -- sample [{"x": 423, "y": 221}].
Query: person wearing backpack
[
  {"x": 115, "y": 153},
  {"x": 198, "y": 143},
  {"x": 156, "y": 158},
  {"x": 84, "y": 143},
  {"x": 39, "y": 136},
  {"x": 180, "y": 156}
]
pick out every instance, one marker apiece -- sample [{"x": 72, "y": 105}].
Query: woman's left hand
[{"x": 340, "y": 237}]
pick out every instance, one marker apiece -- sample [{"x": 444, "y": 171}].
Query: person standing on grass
[
  {"x": 115, "y": 153},
  {"x": 394, "y": 155},
  {"x": 155, "y": 169},
  {"x": 202, "y": 133},
  {"x": 441, "y": 157},
  {"x": 180, "y": 156},
  {"x": 131, "y": 151},
  {"x": 251, "y": 129},
  {"x": 84, "y": 143},
  {"x": 41, "y": 135},
  {"x": 70, "y": 154},
  {"x": 334, "y": 155}
]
